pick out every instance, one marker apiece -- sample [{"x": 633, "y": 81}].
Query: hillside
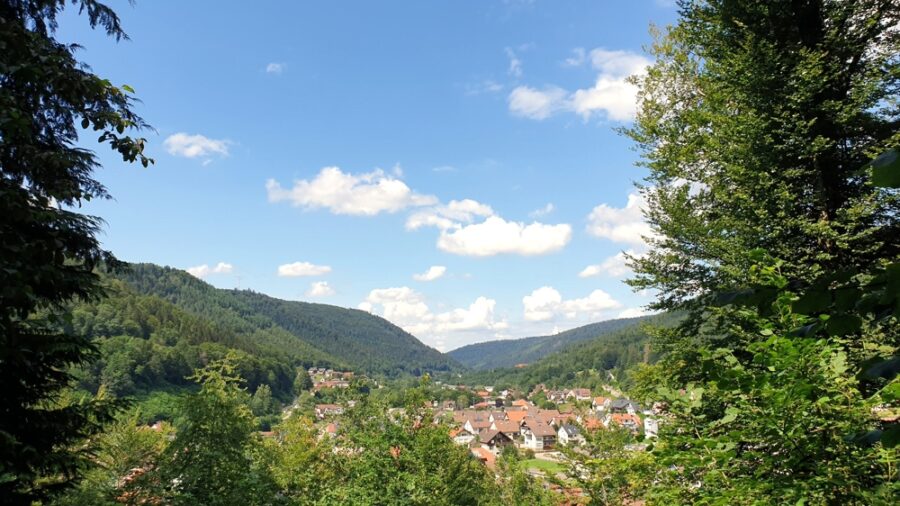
[
  {"x": 583, "y": 363},
  {"x": 509, "y": 352},
  {"x": 317, "y": 332}
]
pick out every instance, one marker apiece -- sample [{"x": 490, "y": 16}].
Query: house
[
  {"x": 579, "y": 394},
  {"x": 522, "y": 403},
  {"x": 538, "y": 435},
  {"x": 485, "y": 456},
  {"x": 331, "y": 430},
  {"x": 508, "y": 427},
  {"x": 494, "y": 440},
  {"x": 461, "y": 436},
  {"x": 631, "y": 422},
  {"x": 600, "y": 404},
  {"x": 651, "y": 427},
  {"x": 475, "y": 425},
  {"x": 592, "y": 423},
  {"x": 497, "y": 415},
  {"x": 516, "y": 416},
  {"x": 323, "y": 410},
  {"x": 624, "y": 406},
  {"x": 569, "y": 434},
  {"x": 448, "y": 405},
  {"x": 556, "y": 396}
]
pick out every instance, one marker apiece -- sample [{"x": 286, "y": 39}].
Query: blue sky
[{"x": 452, "y": 166}]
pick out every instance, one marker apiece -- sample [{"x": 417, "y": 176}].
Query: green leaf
[{"x": 127, "y": 88}]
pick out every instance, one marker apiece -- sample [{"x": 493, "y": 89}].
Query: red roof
[{"x": 484, "y": 455}]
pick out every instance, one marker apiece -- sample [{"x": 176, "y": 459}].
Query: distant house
[
  {"x": 461, "y": 436},
  {"x": 516, "y": 416},
  {"x": 508, "y": 427},
  {"x": 475, "y": 425},
  {"x": 651, "y": 427},
  {"x": 522, "y": 403},
  {"x": 579, "y": 394},
  {"x": 448, "y": 405},
  {"x": 569, "y": 434},
  {"x": 538, "y": 435},
  {"x": 600, "y": 404},
  {"x": 324, "y": 410},
  {"x": 331, "y": 429},
  {"x": 485, "y": 456},
  {"x": 624, "y": 406},
  {"x": 494, "y": 440},
  {"x": 629, "y": 421}
]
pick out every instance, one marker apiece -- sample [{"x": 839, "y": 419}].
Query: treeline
[
  {"x": 509, "y": 352},
  {"x": 148, "y": 344},
  {"x": 586, "y": 364},
  {"x": 322, "y": 333}
]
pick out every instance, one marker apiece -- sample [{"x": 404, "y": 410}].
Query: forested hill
[
  {"x": 509, "y": 352},
  {"x": 585, "y": 363},
  {"x": 357, "y": 339}
]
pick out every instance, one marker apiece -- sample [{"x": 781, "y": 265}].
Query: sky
[{"x": 453, "y": 166}]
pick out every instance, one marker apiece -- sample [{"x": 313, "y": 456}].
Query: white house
[
  {"x": 569, "y": 434},
  {"x": 651, "y": 427},
  {"x": 538, "y": 436}
]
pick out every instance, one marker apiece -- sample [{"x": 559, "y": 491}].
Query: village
[{"x": 540, "y": 425}]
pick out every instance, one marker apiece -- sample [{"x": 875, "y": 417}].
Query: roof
[
  {"x": 623, "y": 418},
  {"x": 479, "y": 423},
  {"x": 570, "y": 430},
  {"x": 592, "y": 423},
  {"x": 600, "y": 400},
  {"x": 506, "y": 426},
  {"x": 488, "y": 435},
  {"x": 516, "y": 416},
  {"x": 541, "y": 429},
  {"x": 521, "y": 402},
  {"x": 484, "y": 455}
]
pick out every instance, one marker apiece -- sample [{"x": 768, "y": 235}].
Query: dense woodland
[
  {"x": 770, "y": 134},
  {"x": 510, "y": 352}
]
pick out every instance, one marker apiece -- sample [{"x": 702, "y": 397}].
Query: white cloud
[
  {"x": 611, "y": 95},
  {"x": 537, "y": 104},
  {"x": 298, "y": 269},
  {"x": 201, "y": 271},
  {"x": 461, "y": 235},
  {"x": 449, "y": 215},
  {"x": 319, "y": 289},
  {"x": 194, "y": 146},
  {"x": 433, "y": 272},
  {"x": 275, "y": 68},
  {"x": 614, "y": 266},
  {"x": 515, "y": 64},
  {"x": 546, "y": 303},
  {"x": 343, "y": 193},
  {"x": 407, "y": 308},
  {"x": 622, "y": 225},
  {"x": 496, "y": 236},
  {"x": 543, "y": 211}
]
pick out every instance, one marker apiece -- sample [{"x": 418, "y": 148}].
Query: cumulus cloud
[
  {"x": 275, "y": 68},
  {"x": 621, "y": 224},
  {"x": 546, "y": 303},
  {"x": 611, "y": 95},
  {"x": 298, "y": 269},
  {"x": 195, "y": 146},
  {"x": 470, "y": 228},
  {"x": 449, "y": 215},
  {"x": 433, "y": 272},
  {"x": 538, "y": 104},
  {"x": 407, "y": 308},
  {"x": 614, "y": 266},
  {"x": 344, "y": 193},
  {"x": 201, "y": 271},
  {"x": 496, "y": 236},
  {"x": 319, "y": 289}
]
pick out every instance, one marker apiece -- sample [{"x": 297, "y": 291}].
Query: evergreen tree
[{"x": 48, "y": 253}]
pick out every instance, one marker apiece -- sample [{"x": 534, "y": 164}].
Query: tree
[
  {"x": 754, "y": 122},
  {"x": 211, "y": 461},
  {"x": 48, "y": 253}
]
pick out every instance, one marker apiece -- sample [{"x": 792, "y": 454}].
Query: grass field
[{"x": 543, "y": 465}]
